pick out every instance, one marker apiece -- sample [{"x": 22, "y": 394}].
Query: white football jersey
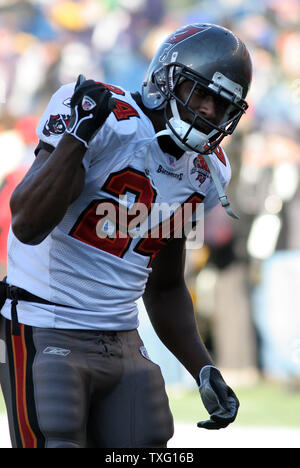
[{"x": 93, "y": 274}]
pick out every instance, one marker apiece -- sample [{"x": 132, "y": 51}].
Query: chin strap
[
  {"x": 147, "y": 170},
  {"x": 222, "y": 197}
]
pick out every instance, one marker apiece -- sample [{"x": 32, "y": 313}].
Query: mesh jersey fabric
[{"x": 98, "y": 281}]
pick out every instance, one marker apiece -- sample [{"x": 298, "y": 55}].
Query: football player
[{"x": 77, "y": 374}]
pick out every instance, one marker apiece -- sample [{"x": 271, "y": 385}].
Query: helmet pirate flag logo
[{"x": 180, "y": 36}]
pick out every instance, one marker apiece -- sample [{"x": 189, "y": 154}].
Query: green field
[{"x": 263, "y": 404}]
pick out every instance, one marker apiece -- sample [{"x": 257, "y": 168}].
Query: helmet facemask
[
  {"x": 214, "y": 60},
  {"x": 199, "y": 134}
]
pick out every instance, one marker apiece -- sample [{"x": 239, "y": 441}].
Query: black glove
[
  {"x": 91, "y": 104},
  {"x": 219, "y": 400}
]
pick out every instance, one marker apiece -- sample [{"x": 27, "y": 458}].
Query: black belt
[{"x": 8, "y": 291}]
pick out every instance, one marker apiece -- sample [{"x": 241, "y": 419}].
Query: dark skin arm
[
  {"x": 53, "y": 182},
  {"x": 170, "y": 309}
]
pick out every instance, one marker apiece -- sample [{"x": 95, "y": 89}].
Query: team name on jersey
[{"x": 162, "y": 170}]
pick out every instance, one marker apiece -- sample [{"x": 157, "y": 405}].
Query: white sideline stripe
[
  {"x": 189, "y": 436},
  {"x": 4, "y": 433}
]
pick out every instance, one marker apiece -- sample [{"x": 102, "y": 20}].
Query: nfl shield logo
[
  {"x": 144, "y": 353},
  {"x": 172, "y": 161},
  {"x": 88, "y": 103}
]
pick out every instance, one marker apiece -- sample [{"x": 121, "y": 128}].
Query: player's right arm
[
  {"x": 52, "y": 183},
  {"x": 56, "y": 179}
]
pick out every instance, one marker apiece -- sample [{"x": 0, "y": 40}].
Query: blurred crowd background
[{"x": 245, "y": 280}]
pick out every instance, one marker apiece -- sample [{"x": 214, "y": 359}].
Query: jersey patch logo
[
  {"x": 57, "y": 351},
  {"x": 56, "y": 125},
  {"x": 201, "y": 169}
]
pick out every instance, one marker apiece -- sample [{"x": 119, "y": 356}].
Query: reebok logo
[
  {"x": 56, "y": 351},
  {"x": 2, "y": 352}
]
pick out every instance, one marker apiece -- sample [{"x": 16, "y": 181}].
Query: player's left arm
[{"x": 170, "y": 309}]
